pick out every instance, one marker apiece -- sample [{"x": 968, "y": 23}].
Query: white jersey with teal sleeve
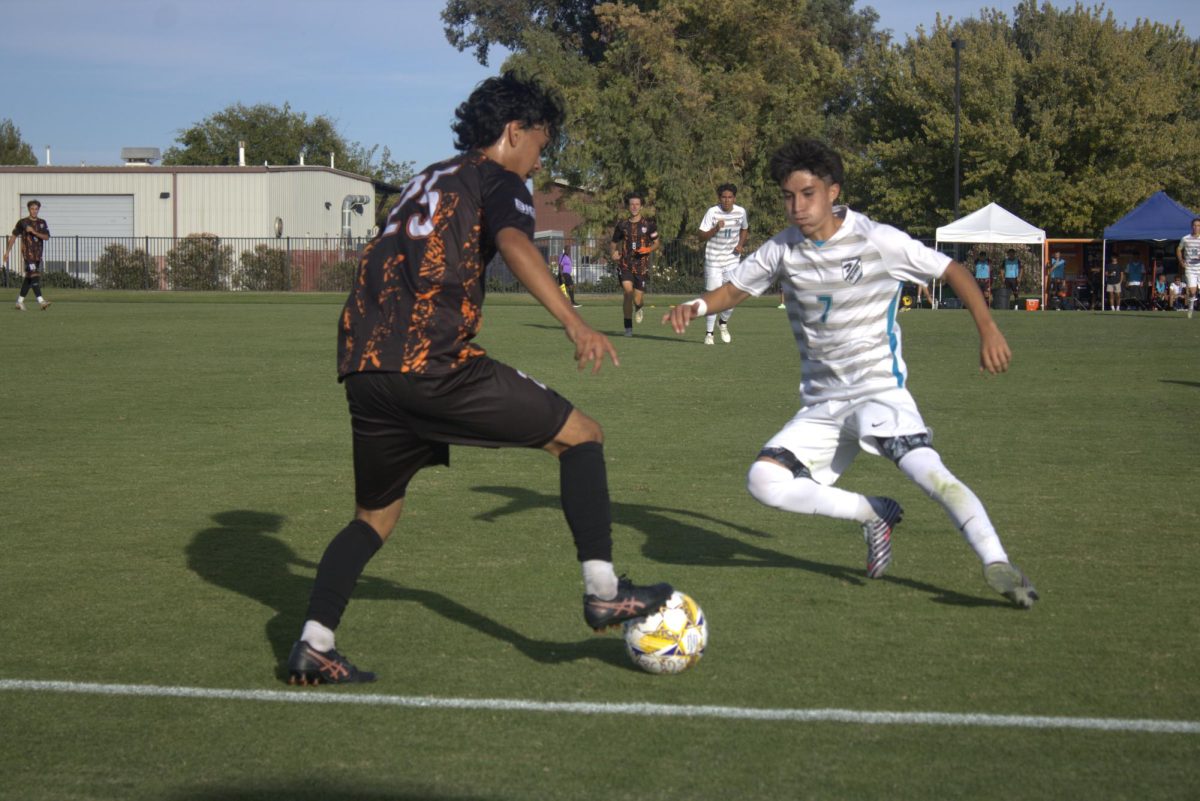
[
  {"x": 718, "y": 251},
  {"x": 841, "y": 298}
]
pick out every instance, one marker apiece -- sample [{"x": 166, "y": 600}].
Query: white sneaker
[
  {"x": 21, "y": 307},
  {"x": 638, "y": 315},
  {"x": 781, "y": 306},
  {"x": 708, "y": 340},
  {"x": 725, "y": 334}
]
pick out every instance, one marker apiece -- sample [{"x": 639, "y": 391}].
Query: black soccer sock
[
  {"x": 637, "y": 307},
  {"x": 345, "y": 558},
  {"x": 583, "y": 483},
  {"x": 629, "y": 322},
  {"x": 25, "y": 286}
]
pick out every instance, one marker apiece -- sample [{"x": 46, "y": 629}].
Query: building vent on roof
[{"x": 140, "y": 156}]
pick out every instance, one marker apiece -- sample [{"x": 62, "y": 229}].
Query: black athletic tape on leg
[
  {"x": 788, "y": 460},
  {"x": 896, "y": 448},
  {"x": 583, "y": 487}
]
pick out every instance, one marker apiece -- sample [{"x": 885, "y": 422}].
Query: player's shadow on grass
[
  {"x": 687, "y": 537},
  {"x": 1180, "y": 383},
  {"x": 242, "y": 553}
]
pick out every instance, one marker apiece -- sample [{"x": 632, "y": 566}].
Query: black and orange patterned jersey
[
  {"x": 416, "y": 303},
  {"x": 631, "y": 239},
  {"x": 31, "y": 246}
]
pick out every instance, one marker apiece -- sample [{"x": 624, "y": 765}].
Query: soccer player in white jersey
[
  {"x": 1188, "y": 253},
  {"x": 724, "y": 230},
  {"x": 842, "y": 274}
]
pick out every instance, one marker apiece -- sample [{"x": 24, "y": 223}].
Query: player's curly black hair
[
  {"x": 502, "y": 99},
  {"x": 807, "y": 155}
]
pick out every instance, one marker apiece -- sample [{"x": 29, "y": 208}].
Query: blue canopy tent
[{"x": 1158, "y": 219}]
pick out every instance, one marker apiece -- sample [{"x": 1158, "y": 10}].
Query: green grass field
[{"x": 173, "y": 467}]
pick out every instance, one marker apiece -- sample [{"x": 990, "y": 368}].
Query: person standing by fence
[
  {"x": 33, "y": 232},
  {"x": 565, "y": 279}
]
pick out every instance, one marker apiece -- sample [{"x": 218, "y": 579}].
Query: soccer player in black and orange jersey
[
  {"x": 33, "y": 232},
  {"x": 416, "y": 383},
  {"x": 634, "y": 240}
]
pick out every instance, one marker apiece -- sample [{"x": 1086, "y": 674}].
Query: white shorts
[
  {"x": 714, "y": 277},
  {"x": 1191, "y": 276},
  {"x": 826, "y": 436}
]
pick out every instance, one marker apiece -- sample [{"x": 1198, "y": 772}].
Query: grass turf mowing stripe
[{"x": 640, "y": 710}]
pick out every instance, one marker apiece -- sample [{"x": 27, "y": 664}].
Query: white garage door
[{"x": 86, "y": 215}]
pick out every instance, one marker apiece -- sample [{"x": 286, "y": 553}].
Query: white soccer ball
[{"x": 669, "y": 641}]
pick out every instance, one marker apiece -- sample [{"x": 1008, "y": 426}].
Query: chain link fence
[{"x": 208, "y": 262}]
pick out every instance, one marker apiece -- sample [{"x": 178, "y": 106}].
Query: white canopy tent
[{"x": 994, "y": 224}]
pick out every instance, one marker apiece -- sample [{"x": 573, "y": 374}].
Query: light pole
[{"x": 958, "y": 45}]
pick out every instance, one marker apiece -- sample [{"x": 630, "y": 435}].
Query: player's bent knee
[
  {"x": 768, "y": 482},
  {"x": 578, "y": 429}
]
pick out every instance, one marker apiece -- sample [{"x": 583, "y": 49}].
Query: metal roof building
[{"x": 146, "y": 201}]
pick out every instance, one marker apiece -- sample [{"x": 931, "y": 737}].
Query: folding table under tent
[{"x": 995, "y": 225}]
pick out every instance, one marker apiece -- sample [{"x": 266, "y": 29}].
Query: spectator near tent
[{"x": 1159, "y": 218}]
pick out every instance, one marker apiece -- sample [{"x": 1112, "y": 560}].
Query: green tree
[
  {"x": 1067, "y": 119},
  {"x": 685, "y": 95},
  {"x": 14, "y": 150},
  {"x": 279, "y": 135}
]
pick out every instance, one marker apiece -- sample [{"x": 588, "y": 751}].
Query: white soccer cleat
[
  {"x": 708, "y": 338},
  {"x": 1009, "y": 581},
  {"x": 638, "y": 315},
  {"x": 725, "y": 337},
  {"x": 21, "y": 307}
]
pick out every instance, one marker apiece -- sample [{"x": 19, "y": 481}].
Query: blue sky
[{"x": 88, "y": 77}]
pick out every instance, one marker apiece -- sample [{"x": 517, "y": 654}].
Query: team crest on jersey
[{"x": 852, "y": 271}]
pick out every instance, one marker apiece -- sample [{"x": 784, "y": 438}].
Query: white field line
[{"x": 329, "y": 696}]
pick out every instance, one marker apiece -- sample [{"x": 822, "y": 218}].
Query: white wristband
[{"x": 702, "y": 307}]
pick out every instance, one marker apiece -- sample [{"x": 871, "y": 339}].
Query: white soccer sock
[
  {"x": 709, "y": 321},
  {"x": 924, "y": 466},
  {"x": 775, "y": 486},
  {"x": 599, "y": 578},
  {"x": 317, "y": 635}
]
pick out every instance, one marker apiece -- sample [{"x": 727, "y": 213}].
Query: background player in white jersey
[
  {"x": 1188, "y": 253},
  {"x": 724, "y": 229},
  {"x": 842, "y": 275}
]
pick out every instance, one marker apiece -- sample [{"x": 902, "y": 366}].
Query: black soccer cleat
[
  {"x": 631, "y": 601},
  {"x": 306, "y": 665}
]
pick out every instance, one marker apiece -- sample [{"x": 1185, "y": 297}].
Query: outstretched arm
[
  {"x": 994, "y": 355},
  {"x": 526, "y": 264},
  {"x": 718, "y": 300}
]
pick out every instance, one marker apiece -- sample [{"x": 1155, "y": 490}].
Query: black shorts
[
  {"x": 566, "y": 280},
  {"x": 403, "y": 422},
  {"x": 638, "y": 280}
]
